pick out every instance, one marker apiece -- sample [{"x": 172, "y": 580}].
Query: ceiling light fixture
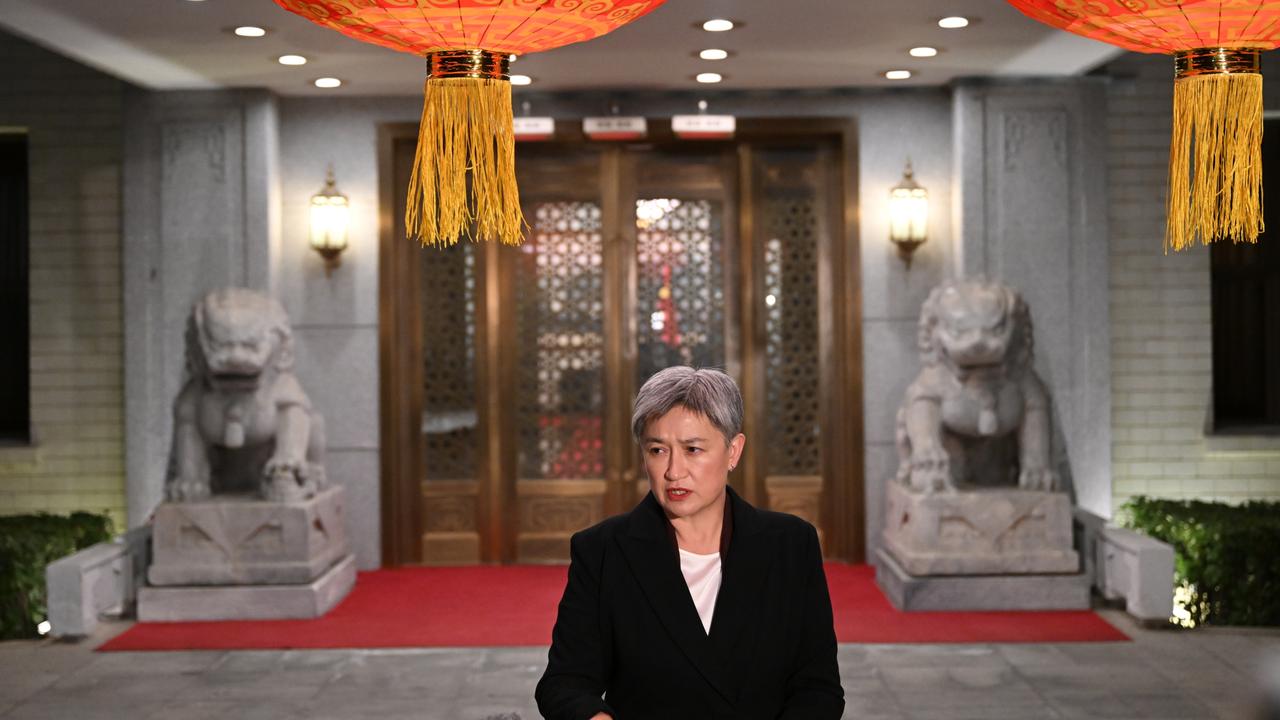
[
  {"x": 709, "y": 77},
  {"x": 898, "y": 74},
  {"x": 328, "y": 82},
  {"x": 951, "y": 23},
  {"x": 291, "y": 60},
  {"x": 521, "y": 80},
  {"x": 924, "y": 51},
  {"x": 250, "y": 31},
  {"x": 713, "y": 54},
  {"x": 717, "y": 25}
]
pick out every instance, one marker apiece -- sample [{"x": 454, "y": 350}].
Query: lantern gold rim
[
  {"x": 471, "y": 64},
  {"x": 1217, "y": 61}
]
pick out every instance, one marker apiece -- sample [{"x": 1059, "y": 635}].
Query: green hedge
[
  {"x": 1227, "y": 554},
  {"x": 27, "y": 544}
]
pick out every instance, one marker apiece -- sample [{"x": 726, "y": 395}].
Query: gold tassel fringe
[
  {"x": 465, "y": 130},
  {"x": 1215, "y": 160}
]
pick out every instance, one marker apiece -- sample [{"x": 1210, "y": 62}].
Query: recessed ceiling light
[
  {"x": 951, "y": 23},
  {"x": 717, "y": 25},
  {"x": 292, "y": 60},
  {"x": 250, "y": 31},
  {"x": 898, "y": 74},
  {"x": 713, "y": 54},
  {"x": 923, "y": 51},
  {"x": 521, "y": 79},
  {"x": 328, "y": 82},
  {"x": 709, "y": 77}
]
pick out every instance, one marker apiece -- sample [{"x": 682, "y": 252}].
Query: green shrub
[
  {"x": 27, "y": 544},
  {"x": 1226, "y": 554}
]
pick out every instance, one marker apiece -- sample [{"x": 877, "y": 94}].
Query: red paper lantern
[
  {"x": 466, "y": 117},
  {"x": 1215, "y": 158}
]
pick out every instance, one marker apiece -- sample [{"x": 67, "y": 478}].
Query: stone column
[
  {"x": 1030, "y": 211},
  {"x": 200, "y": 211}
]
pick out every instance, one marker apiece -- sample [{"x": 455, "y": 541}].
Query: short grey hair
[{"x": 707, "y": 392}]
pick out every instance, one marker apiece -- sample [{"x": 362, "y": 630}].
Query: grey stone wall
[
  {"x": 199, "y": 213},
  {"x": 72, "y": 116},
  {"x": 1031, "y": 213}
]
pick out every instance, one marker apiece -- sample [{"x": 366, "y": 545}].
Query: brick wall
[
  {"x": 1160, "y": 320},
  {"x": 75, "y": 143}
]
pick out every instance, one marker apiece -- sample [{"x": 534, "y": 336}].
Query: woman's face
[{"x": 687, "y": 462}]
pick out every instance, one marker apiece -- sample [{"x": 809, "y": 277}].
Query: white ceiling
[{"x": 172, "y": 44}]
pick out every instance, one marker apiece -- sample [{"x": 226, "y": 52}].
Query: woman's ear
[{"x": 735, "y": 449}]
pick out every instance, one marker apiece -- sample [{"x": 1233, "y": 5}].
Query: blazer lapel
[
  {"x": 656, "y": 567},
  {"x": 745, "y": 569}
]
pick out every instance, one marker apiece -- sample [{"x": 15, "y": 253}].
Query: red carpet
[{"x": 516, "y": 605}]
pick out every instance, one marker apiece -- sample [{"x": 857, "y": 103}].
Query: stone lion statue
[
  {"x": 242, "y": 423},
  {"x": 977, "y": 414}
]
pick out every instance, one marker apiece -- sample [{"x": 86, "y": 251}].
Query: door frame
[{"x": 840, "y": 350}]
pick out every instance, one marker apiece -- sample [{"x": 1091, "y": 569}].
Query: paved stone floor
[{"x": 1162, "y": 674}]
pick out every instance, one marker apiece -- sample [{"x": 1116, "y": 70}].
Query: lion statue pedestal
[
  {"x": 974, "y": 518},
  {"x": 251, "y": 528}
]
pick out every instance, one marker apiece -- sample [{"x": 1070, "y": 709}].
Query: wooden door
[{"x": 521, "y": 364}]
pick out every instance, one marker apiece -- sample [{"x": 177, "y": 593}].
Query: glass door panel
[
  {"x": 450, "y": 425},
  {"x": 790, "y": 219},
  {"x": 679, "y": 284},
  {"x": 557, "y": 407},
  {"x": 560, "y": 331},
  {"x": 682, "y": 205}
]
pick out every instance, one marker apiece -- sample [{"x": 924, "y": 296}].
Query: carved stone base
[
  {"x": 249, "y": 602},
  {"x": 232, "y": 540},
  {"x": 989, "y": 531},
  {"x": 980, "y": 592}
]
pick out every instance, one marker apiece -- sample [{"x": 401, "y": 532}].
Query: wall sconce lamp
[
  {"x": 908, "y": 215},
  {"x": 330, "y": 215}
]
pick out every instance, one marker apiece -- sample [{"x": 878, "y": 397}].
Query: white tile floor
[{"x": 1165, "y": 675}]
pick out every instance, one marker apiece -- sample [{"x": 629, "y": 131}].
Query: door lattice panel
[
  {"x": 449, "y": 420},
  {"x": 560, "y": 326},
  {"x": 679, "y": 284},
  {"x": 791, "y": 349}
]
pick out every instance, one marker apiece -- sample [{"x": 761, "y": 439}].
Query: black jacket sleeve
[
  {"x": 813, "y": 691},
  {"x": 578, "y": 663}
]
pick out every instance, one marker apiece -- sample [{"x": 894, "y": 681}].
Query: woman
[{"x": 694, "y": 604}]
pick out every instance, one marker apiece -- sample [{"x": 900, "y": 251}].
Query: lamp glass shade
[
  {"x": 330, "y": 217},
  {"x": 908, "y": 213}
]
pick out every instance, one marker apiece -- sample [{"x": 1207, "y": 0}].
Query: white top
[{"x": 702, "y": 575}]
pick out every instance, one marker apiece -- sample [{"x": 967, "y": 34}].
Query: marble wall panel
[
  {"x": 358, "y": 470},
  {"x": 336, "y": 366},
  {"x": 880, "y": 464},
  {"x": 890, "y": 361}
]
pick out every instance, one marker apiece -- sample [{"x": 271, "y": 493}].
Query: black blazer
[{"x": 627, "y": 627}]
